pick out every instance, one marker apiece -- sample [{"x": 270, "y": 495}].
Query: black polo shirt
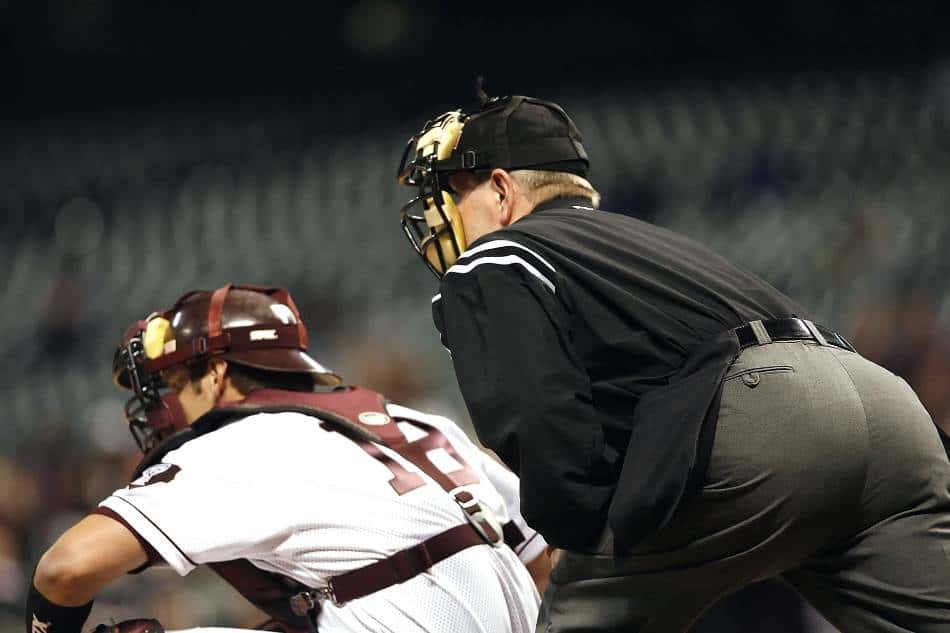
[{"x": 559, "y": 323}]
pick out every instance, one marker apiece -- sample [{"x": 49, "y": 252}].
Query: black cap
[{"x": 520, "y": 133}]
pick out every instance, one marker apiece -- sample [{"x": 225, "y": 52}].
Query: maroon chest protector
[{"x": 360, "y": 415}]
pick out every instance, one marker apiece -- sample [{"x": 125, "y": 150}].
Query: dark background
[
  {"x": 390, "y": 57},
  {"x": 150, "y": 148}
]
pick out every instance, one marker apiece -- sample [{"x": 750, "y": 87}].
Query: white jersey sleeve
[{"x": 195, "y": 508}]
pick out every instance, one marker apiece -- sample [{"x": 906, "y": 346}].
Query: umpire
[{"x": 680, "y": 427}]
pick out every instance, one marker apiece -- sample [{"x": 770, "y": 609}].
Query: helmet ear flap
[{"x": 158, "y": 338}]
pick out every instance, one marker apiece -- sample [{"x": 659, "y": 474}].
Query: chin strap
[{"x": 167, "y": 419}]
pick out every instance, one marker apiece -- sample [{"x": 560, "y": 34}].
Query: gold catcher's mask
[
  {"x": 437, "y": 234},
  {"x": 505, "y": 132}
]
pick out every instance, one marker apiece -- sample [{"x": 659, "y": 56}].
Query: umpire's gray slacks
[{"x": 825, "y": 471}]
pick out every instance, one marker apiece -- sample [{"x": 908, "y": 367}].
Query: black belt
[{"x": 790, "y": 329}]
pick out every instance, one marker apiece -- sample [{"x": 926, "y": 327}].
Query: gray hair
[{"x": 545, "y": 185}]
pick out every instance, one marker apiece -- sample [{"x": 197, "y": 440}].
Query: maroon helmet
[{"x": 254, "y": 326}]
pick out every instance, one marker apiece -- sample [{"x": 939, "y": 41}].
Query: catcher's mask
[
  {"x": 249, "y": 325},
  {"x": 504, "y": 132}
]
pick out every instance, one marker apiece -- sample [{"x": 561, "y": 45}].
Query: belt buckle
[
  {"x": 475, "y": 513},
  {"x": 329, "y": 593},
  {"x": 305, "y": 602},
  {"x": 476, "y": 518}
]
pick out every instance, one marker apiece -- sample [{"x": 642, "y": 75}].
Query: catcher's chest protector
[
  {"x": 270, "y": 592},
  {"x": 361, "y": 415}
]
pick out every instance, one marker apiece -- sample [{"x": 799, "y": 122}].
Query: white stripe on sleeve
[
  {"x": 487, "y": 246},
  {"x": 506, "y": 260}
]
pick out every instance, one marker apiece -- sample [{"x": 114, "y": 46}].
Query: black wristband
[{"x": 43, "y": 616}]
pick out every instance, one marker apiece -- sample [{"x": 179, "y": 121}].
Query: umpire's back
[
  {"x": 642, "y": 298},
  {"x": 616, "y": 308}
]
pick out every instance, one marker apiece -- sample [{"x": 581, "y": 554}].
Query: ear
[
  {"x": 503, "y": 186},
  {"x": 218, "y": 368}
]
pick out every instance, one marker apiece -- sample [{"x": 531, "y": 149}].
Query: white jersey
[{"x": 299, "y": 500}]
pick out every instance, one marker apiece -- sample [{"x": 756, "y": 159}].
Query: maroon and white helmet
[{"x": 255, "y": 326}]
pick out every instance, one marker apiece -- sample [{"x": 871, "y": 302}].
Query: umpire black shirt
[{"x": 559, "y": 323}]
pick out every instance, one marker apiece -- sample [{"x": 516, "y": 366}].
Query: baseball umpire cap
[
  {"x": 515, "y": 132},
  {"x": 504, "y": 132}
]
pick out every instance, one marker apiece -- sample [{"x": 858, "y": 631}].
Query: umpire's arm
[{"x": 527, "y": 392}]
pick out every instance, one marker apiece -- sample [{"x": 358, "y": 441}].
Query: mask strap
[{"x": 215, "y": 310}]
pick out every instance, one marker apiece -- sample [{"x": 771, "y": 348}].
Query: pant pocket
[{"x": 752, "y": 377}]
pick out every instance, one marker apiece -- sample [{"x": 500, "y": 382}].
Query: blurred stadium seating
[{"x": 832, "y": 187}]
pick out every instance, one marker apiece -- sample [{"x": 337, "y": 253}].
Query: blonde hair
[{"x": 545, "y": 185}]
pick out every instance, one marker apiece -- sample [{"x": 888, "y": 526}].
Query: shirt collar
[{"x": 565, "y": 202}]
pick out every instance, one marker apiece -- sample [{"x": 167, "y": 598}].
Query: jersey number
[{"x": 417, "y": 453}]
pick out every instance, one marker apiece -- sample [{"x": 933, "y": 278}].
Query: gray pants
[{"x": 825, "y": 471}]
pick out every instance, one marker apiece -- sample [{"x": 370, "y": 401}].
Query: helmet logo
[
  {"x": 159, "y": 473},
  {"x": 263, "y": 335},
  {"x": 374, "y": 418}
]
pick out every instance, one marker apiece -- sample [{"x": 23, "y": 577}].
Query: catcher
[{"x": 326, "y": 506}]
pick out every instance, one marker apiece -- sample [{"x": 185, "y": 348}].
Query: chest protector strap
[
  {"x": 360, "y": 415},
  {"x": 269, "y": 592}
]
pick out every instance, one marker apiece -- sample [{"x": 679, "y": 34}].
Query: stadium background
[{"x": 146, "y": 150}]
